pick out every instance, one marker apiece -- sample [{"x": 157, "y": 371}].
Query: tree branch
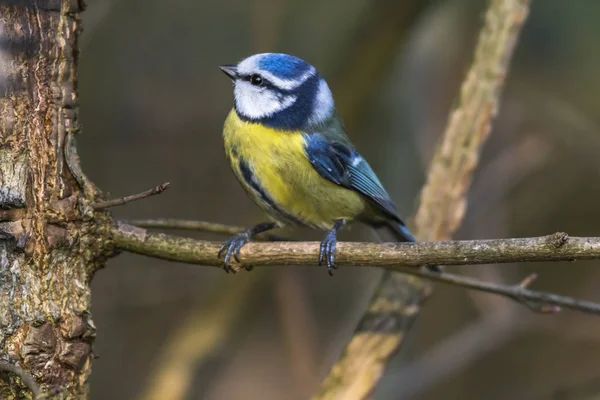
[
  {"x": 25, "y": 377},
  {"x": 556, "y": 247},
  {"x": 128, "y": 199},
  {"x": 201, "y": 226}
]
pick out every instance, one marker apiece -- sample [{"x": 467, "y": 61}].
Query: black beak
[{"x": 230, "y": 71}]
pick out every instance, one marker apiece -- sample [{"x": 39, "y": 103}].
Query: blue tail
[{"x": 399, "y": 231}]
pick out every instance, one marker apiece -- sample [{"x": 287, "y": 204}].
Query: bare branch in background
[
  {"x": 201, "y": 226},
  {"x": 299, "y": 330},
  {"x": 443, "y": 203},
  {"x": 204, "y": 332},
  {"x": 384, "y": 28},
  {"x": 498, "y": 322},
  {"x": 496, "y": 182}
]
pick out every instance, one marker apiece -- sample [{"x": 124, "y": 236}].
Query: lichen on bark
[{"x": 49, "y": 244}]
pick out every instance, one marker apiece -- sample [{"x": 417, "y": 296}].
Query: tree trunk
[{"x": 51, "y": 241}]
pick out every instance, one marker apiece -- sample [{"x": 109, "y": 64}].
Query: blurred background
[{"x": 152, "y": 106}]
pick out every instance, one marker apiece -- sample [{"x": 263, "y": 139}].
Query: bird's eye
[{"x": 256, "y": 80}]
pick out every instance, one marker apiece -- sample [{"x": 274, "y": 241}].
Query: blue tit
[{"x": 287, "y": 146}]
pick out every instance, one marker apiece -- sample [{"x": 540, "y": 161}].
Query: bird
[{"x": 287, "y": 145}]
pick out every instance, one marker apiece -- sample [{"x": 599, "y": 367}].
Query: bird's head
[{"x": 281, "y": 91}]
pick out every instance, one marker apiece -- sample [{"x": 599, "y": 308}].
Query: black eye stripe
[
  {"x": 265, "y": 82},
  {"x": 249, "y": 77},
  {"x": 271, "y": 86}
]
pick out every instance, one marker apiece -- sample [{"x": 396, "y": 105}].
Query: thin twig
[
  {"x": 25, "y": 377},
  {"x": 128, "y": 199},
  {"x": 201, "y": 226},
  {"x": 557, "y": 247},
  {"x": 539, "y": 302},
  {"x": 74, "y": 164}
]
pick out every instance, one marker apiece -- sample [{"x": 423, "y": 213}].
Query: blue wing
[{"x": 344, "y": 166}]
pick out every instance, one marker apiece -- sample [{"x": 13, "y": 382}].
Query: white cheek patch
[
  {"x": 323, "y": 104},
  {"x": 256, "y": 103}
]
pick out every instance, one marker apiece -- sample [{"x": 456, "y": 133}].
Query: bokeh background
[{"x": 152, "y": 106}]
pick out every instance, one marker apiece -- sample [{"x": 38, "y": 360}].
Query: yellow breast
[{"x": 279, "y": 165}]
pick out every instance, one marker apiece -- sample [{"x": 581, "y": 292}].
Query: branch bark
[
  {"x": 121, "y": 201},
  {"x": 50, "y": 247},
  {"x": 556, "y": 247},
  {"x": 391, "y": 256},
  {"x": 443, "y": 203},
  {"x": 25, "y": 378}
]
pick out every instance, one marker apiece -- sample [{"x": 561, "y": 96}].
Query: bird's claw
[
  {"x": 327, "y": 251},
  {"x": 232, "y": 247}
]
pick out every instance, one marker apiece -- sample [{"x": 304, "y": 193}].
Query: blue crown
[
  {"x": 295, "y": 98},
  {"x": 284, "y": 66}
]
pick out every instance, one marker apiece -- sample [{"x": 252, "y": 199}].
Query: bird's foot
[
  {"x": 232, "y": 247},
  {"x": 234, "y": 244},
  {"x": 327, "y": 251}
]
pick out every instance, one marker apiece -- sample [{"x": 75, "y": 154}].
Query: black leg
[
  {"x": 233, "y": 245},
  {"x": 327, "y": 250}
]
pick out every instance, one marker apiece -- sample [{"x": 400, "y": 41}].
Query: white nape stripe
[
  {"x": 286, "y": 84},
  {"x": 323, "y": 106}
]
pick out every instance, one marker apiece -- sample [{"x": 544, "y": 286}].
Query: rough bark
[{"x": 49, "y": 244}]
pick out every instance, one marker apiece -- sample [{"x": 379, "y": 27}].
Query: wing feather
[{"x": 344, "y": 166}]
